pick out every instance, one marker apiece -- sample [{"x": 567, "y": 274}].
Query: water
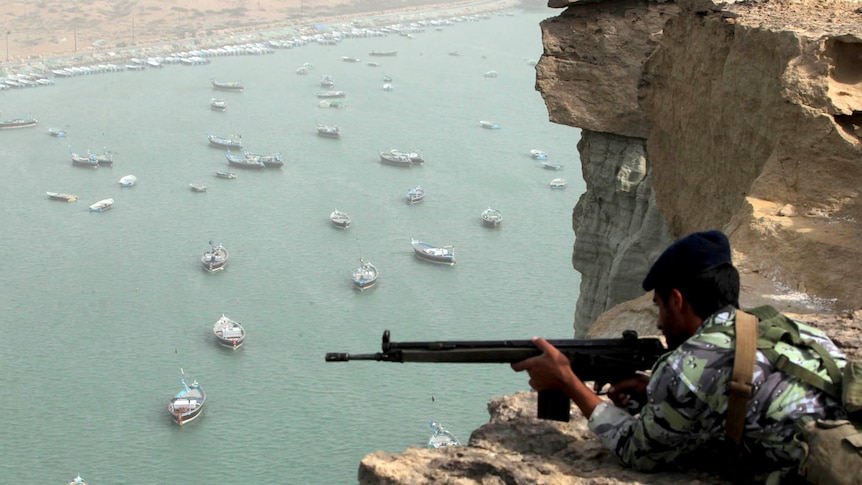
[{"x": 102, "y": 310}]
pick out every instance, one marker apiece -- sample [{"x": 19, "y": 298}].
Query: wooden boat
[
  {"x": 241, "y": 161},
  {"x": 415, "y": 157},
  {"x": 415, "y": 195},
  {"x": 552, "y": 166},
  {"x": 196, "y": 187},
  {"x": 215, "y": 258},
  {"x": 489, "y": 125},
  {"x": 62, "y": 196},
  {"x": 227, "y": 86},
  {"x": 397, "y": 160},
  {"x": 270, "y": 161},
  {"x": 383, "y": 53},
  {"x": 234, "y": 142},
  {"x": 104, "y": 159},
  {"x": 329, "y": 131},
  {"x": 229, "y": 333},
  {"x": 56, "y": 132},
  {"x": 538, "y": 154},
  {"x": 128, "y": 181},
  {"x": 18, "y": 123},
  {"x": 339, "y": 219},
  {"x": 331, "y": 94},
  {"x": 77, "y": 481},
  {"x": 436, "y": 254},
  {"x": 558, "y": 183},
  {"x": 102, "y": 205},
  {"x": 218, "y": 104},
  {"x": 491, "y": 217},
  {"x": 332, "y": 103},
  {"x": 187, "y": 405},
  {"x": 365, "y": 276},
  {"x": 224, "y": 174},
  {"x": 83, "y": 160}
]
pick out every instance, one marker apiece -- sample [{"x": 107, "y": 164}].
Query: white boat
[
  {"x": 329, "y": 131},
  {"x": 490, "y": 74},
  {"x": 365, "y": 276},
  {"x": 538, "y": 154},
  {"x": 558, "y": 183},
  {"x": 62, "y": 196},
  {"x": 492, "y": 217},
  {"x": 551, "y": 166},
  {"x": 436, "y": 254},
  {"x": 415, "y": 195},
  {"x": 441, "y": 437},
  {"x": 102, "y": 205},
  {"x": 490, "y": 125},
  {"x": 215, "y": 258},
  {"x": 218, "y": 104},
  {"x": 128, "y": 181},
  {"x": 77, "y": 481},
  {"x": 229, "y": 333},
  {"x": 339, "y": 219},
  {"x": 197, "y": 187}
]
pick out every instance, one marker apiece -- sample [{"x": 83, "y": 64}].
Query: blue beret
[{"x": 688, "y": 257}]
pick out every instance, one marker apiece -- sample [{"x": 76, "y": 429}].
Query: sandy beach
[{"x": 52, "y": 34}]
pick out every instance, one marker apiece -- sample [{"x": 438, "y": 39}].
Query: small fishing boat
[
  {"x": 332, "y": 103},
  {"x": 399, "y": 160},
  {"x": 18, "y": 123},
  {"x": 62, "y": 196},
  {"x": 350, "y": 59},
  {"x": 340, "y": 219},
  {"x": 327, "y": 81},
  {"x": 224, "y": 174},
  {"x": 558, "y": 183},
  {"x": 331, "y": 94},
  {"x": 196, "y": 187},
  {"x": 102, "y": 205},
  {"x": 415, "y": 157},
  {"x": 383, "y": 53},
  {"x": 329, "y": 131},
  {"x": 234, "y": 142},
  {"x": 104, "y": 159},
  {"x": 56, "y": 132},
  {"x": 227, "y": 86},
  {"x": 270, "y": 161},
  {"x": 441, "y": 437},
  {"x": 242, "y": 161},
  {"x": 215, "y": 258},
  {"x": 490, "y": 74},
  {"x": 218, "y": 104},
  {"x": 415, "y": 195},
  {"x": 538, "y": 154},
  {"x": 388, "y": 87},
  {"x": 188, "y": 403},
  {"x": 489, "y": 125},
  {"x": 128, "y": 181},
  {"x": 77, "y": 481},
  {"x": 552, "y": 166},
  {"x": 229, "y": 333},
  {"x": 88, "y": 160},
  {"x": 491, "y": 217},
  {"x": 436, "y": 254},
  {"x": 365, "y": 276}
]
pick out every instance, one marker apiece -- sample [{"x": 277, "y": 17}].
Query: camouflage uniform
[{"x": 687, "y": 403}]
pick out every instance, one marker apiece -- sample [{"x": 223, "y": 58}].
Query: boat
[
  {"x": 241, "y": 161},
  {"x": 538, "y": 154},
  {"x": 330, "y": 94},
  {"x": 77, "y": 481},
  {"x": 441, "y": 437},
  {"x": 455, "y": 54},
  {"x": 229, "y": 333},
  {"x": 490, "y": 74},
  {"x": 383, "y": 53},
  {"x": 415, "y": 157},
  {"x": 302, "y": 71},
  {"x": 104, "y": 159},
  {"x": 227, "y": 86},
  {"x": 224, "y": 174},
  {"x": 128, "y": 181},
  {"x": 489, "y": 125},
  {"x": 558, "y": 183},
  {"x": 365, "y": 276},
  {"x": 272, "y": 161},
  {"x": 56, "y": 132},
  {"x": 331, "y": 103},
  {"x": 188, "y": 403},
  {"x": 62, "y": 196},
  {"x": 102, "y": 205},
  {"x": 329, "y": 131},
  {"x": 401, "y": 159},
  {"x": 491, "y": 217},
  {"x": 387, "y": 78},
  {"x": 388, "y": 87},
  {"x": 436, "y": 254},
  {"x": 79, "y": 160},
  {"x": 551, "y": 166},
  {"x": 218, "y": 104},
  {"x": 373, "y": 64},
  {"x": 196, "y": 187},
  {"x": 18, "y": 123},
  {"x": 234, "y": 142},
  {"x": 215, "y": 258},
  {"x": 327, "y": 81},
  {"x": 350, "y": 59},
  {"x": 415, "y": 195},
  {"x": 339, "y": 219}
]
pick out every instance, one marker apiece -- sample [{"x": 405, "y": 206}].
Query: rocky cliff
[{"x": 695, "y": 115}]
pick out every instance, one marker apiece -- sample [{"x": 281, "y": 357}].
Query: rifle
[{"x": 600, "y": 360}]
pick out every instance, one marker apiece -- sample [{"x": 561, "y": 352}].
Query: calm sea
[{"x": 101, "y": 311}]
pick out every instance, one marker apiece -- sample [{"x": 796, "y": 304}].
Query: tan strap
[{"x": 740, "y": 388}]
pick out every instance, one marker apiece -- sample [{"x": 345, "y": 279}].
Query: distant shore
[{"x": 108, "y": 49}]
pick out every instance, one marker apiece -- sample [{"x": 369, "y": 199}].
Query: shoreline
[{"x": 45, "y": 64}]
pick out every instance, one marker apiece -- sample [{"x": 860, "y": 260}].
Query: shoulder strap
[{"x": 740, "y": 388}]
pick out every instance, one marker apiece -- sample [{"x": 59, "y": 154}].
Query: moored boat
[
  {"x": 558, "y": 183},
  {"x": 62, "y": 196},
  {"x": 234, "y": 142},
  {"x": 491, "y": 217},
  {"x": 350, "y": 59},
  {"x": 390, "y": 158},
  {"x": 218, "y": 104},
  {"x": 331, "y": 94},
  {"x": 104, "y": 159},
  {"x": 436, "y": 254},
  {"x": 229, "y": 333},
  {"x": 538, "y": 154},
  {"x": 489, "y": 125},
  {"x": 551, "y": 166},
  {"x": 490, "y": 74},
  {"x": 415, "y": 157},
  {"x": 188, "y": 403},
  {"x": 224, "y": 174},
  {"x": 83, "y": 160},
  {"x": 215, "y": 258},
  {"x": 327, "y": 81},
  {"x": 196, "y": 187},
  {"x": 56, "y": 132},
  {"x": 128, "y": 181},
  {"x": 18, "y": 123},
  {"x": 102, "y": 205},
  {"x": 329, "y": 131},
  {"x": 227, "y": 86},
  {"x": 415, "y": 195},
  {"x": 77, "y": 481},
  {"x": 340, "y": 219},
  {"x": 383, "y": 53},
  {"x": 271, "y": 161},
  {"x": 242, "y": 161},
  {"x": 365, "y": 276}
]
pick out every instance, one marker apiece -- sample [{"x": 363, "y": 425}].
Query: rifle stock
[{"x": 599, "y": 360}]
